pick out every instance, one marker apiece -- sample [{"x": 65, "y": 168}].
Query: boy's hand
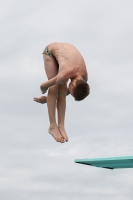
[
  {"x": 43, "y": 89},
  {"x": 42, "y": 99}
]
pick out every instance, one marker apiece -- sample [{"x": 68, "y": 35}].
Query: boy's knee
[
  {"x": 54, "y": 89},
  {"x": 62, "y": 89}
]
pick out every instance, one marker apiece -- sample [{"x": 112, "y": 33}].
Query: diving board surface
[{"x": 109, "y": 163}]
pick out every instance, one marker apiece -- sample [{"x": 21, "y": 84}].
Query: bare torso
[{"x": 71, "y": 62}]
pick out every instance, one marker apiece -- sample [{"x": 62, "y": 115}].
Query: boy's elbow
[{"x": 60, "y": 80}]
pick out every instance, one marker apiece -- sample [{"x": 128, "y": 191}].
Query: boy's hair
[{"x": 81, "y": 90}]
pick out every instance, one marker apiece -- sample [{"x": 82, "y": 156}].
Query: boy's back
[{"x": 69, "y": 58}]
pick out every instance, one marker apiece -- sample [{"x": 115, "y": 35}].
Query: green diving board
[{"x": 109, "y": 163}]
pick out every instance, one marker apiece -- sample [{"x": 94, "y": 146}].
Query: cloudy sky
[{"x": 32, "y": 165}]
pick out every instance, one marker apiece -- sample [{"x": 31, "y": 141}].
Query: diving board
[{"x": 109, "y": 163}]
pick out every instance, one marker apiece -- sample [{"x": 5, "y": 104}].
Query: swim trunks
[{"x": 46, "y": 51}]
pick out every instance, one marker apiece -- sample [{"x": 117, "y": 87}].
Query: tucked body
[
  {"x": 62, "y": 62},
  {"x": 71, "y": 66}
]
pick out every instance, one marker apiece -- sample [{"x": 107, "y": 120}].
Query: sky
[{"x": 32, "y": 164}]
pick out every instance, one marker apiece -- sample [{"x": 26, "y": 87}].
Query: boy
[{"x": 62, "y": 62}]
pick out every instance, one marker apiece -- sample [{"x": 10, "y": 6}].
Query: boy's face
[{"x": 71, "y": 86}]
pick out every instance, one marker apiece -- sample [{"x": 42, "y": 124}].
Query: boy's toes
[{"x": 61, "y": 140}]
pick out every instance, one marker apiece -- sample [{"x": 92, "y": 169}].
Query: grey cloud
[{"x": 33, "y": 165}]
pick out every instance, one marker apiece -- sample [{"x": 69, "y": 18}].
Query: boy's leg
[
  {"x": 51, "y": 69},
  {"x": 61, "y": 106},
  {"x": 51, "y": 103}
]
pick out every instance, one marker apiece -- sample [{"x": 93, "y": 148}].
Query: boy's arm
[
  {"x": 57, "y": 80},
  {"x": 44, "y": 86}
]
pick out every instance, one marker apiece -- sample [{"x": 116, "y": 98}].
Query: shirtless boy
[{"x": 62, "y": 62}]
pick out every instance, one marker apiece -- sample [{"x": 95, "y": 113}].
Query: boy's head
[{"x": 79, "y": 89}]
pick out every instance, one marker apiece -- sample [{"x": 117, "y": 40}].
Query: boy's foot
[
  {"x": 56, "y": 134},
  {"x": 42, "y": 99},
  {"x": 63, "y": 133}
]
